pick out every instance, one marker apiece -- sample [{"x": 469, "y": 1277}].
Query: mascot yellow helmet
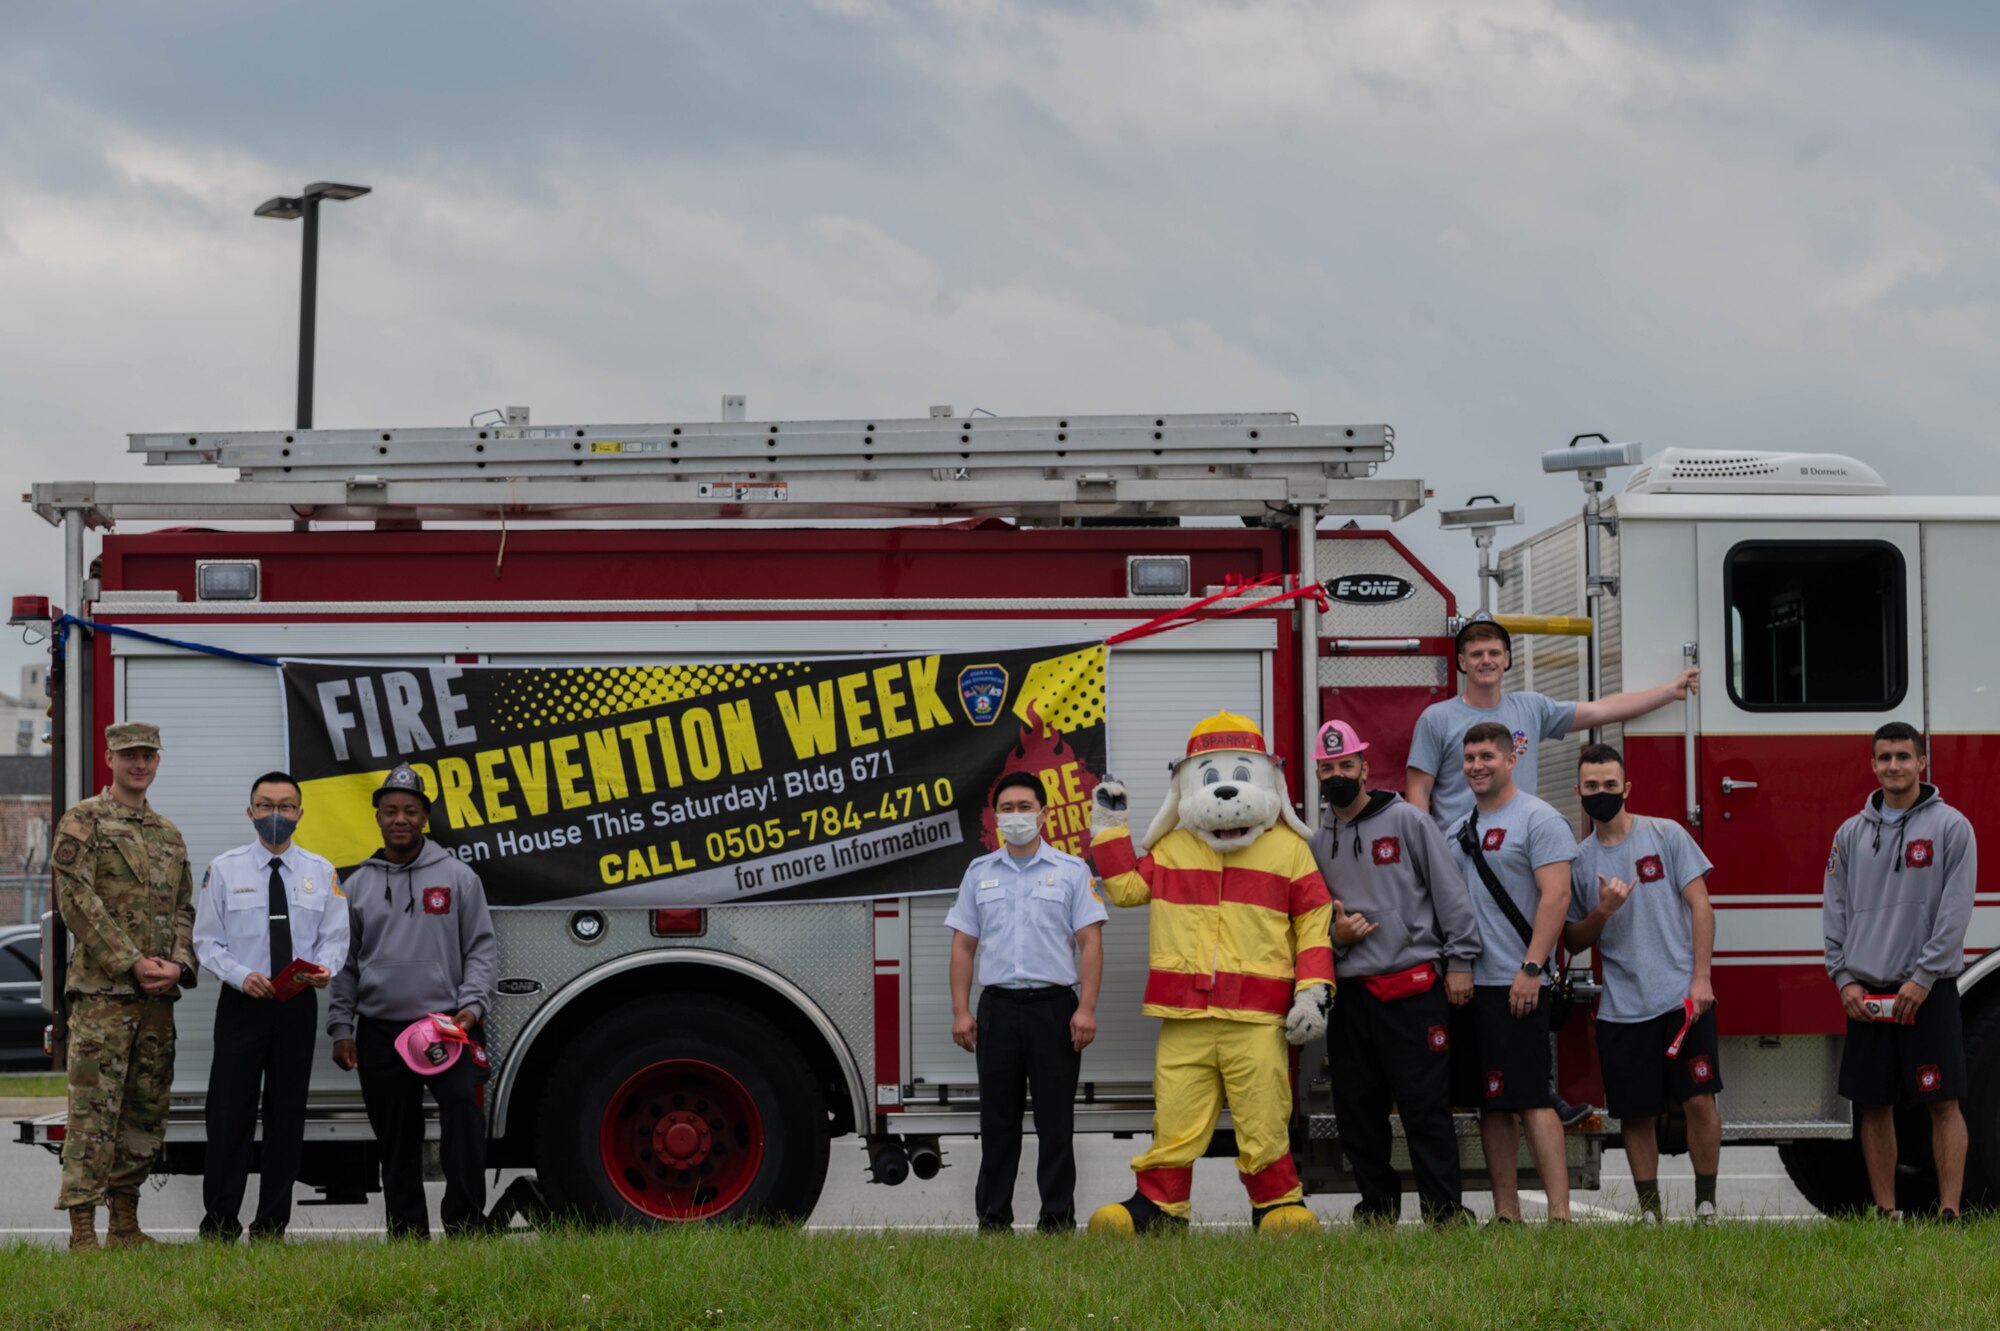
[{"x": 1225, "y": 731}]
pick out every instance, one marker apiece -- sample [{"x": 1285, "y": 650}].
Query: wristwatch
[
  {"x": 188, "y": 975},
  {"x": 1531, "y": 969}
]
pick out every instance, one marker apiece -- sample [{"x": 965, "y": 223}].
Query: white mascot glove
[
  {"x": 1306, "y": 1021},
  {"x": 1107, "y": 806}
]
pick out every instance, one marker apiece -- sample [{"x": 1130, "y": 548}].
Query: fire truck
[{"x": 756, "y": 1035}]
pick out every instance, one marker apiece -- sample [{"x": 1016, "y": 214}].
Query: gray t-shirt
[
  {"x": 1647, "y": 948},
  {"x": 1438, "y": 745},
  {"x": 1519, "y": 837}
]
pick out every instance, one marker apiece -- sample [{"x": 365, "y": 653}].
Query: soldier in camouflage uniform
[{"x": 123, "y": 886}]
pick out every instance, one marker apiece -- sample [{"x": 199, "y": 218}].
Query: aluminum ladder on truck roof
[{"x": 1034, "y": 468}]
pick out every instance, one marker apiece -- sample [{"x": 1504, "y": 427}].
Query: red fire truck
[{"x": 792, "y": 1025}]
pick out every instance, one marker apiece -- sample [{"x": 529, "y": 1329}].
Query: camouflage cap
[
  {"x": 402, "y": 778},
  {"x": 131, "y": 735}
]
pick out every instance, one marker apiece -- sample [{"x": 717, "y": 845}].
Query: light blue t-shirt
[
  {"x": 1438, "y": 744},
  {"x": 1519, "y": 837},
  {"x": 1025, "y": 912},
  {"x": 1647, "y": 948}
]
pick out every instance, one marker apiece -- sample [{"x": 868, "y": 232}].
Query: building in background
[
  {"x": 24, "y": 837},
  {"x": 24, "y": 719}
]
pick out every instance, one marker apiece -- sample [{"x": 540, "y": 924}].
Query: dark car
[{"x": 22, "y": 1017}]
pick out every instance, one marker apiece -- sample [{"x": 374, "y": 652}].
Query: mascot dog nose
[{"x": 1224, "y": 792}]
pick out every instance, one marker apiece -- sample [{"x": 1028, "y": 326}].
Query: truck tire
[
  {"x": 683, "y": 1109},
  {"x": 1982, "y": 1105},
  {"x": 1833, "y": 1177}
]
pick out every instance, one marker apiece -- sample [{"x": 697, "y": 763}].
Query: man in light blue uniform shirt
[
  {"x": 261, "y": 907},
  {"x": 1029, "y": 913}
]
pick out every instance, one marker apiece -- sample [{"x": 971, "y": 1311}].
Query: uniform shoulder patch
[
  {"x": 67, "y": 850},
  {"x": 335, "y": 883}
]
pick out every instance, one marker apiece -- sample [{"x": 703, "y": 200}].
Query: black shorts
[
  {"x": 1918, "y": 1064},
  {"x": 1640, "y": 1080},
  {"x": 1513, "y": 1059}
]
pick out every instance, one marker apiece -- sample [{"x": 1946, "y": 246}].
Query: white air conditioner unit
[{"x": 1747, "y": 471}]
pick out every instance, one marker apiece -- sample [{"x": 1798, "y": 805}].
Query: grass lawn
[
  {"x": 1861, "y": 1275},
  {"x": 25, "y": 1085}
]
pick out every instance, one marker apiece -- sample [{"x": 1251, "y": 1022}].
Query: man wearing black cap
[
  {"x": 1434, "y": 781},
  {"x": 422, "y": 943}
]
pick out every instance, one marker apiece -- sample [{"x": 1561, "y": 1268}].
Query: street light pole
[{"x": 306, "y": 206}]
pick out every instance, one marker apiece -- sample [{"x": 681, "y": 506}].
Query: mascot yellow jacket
[{"x": 1231, "y": 936}]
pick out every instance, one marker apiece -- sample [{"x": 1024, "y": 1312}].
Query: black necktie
[{"x": 281, "y": 919}]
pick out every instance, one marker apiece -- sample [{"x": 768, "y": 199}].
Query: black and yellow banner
[{"x": 697, "y": 784}]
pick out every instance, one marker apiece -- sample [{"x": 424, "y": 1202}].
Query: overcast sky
[{"x": 1492, "y": 225}]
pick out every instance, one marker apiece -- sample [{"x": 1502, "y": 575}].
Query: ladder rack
[{"x": 1037, "y": 469}]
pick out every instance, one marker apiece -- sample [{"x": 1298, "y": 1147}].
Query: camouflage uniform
[{"x": 125, "y": 892}]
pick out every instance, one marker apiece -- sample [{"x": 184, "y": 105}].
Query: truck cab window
[{"x": 1816, "y": 626}]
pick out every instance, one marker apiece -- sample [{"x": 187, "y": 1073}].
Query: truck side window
[
  {"x": 14, "y": 968},
  {"x": 1816, "y": 626}
]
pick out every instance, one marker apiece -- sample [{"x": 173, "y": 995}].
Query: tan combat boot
[
  {"x": 83, "y": 1228},
  {"x": 124, "y": 1231}
]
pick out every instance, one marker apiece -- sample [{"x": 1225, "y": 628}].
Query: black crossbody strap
[{"x": 1468, "y": 840}]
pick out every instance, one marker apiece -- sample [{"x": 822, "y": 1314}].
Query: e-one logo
[{"x": 1370, "y": 588}]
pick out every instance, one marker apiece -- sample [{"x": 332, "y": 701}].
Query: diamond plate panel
[{"x": 1375, "y": 672}]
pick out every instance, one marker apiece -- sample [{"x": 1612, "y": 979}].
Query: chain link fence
[{"x": 23, "y": 898}]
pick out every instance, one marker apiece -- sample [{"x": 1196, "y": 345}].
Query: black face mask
[
  {"x": 1341, "y": 791},
  {"x": 1603, "y": 806}
]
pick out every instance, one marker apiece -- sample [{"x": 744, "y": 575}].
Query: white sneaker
[
  {"x": 1649, "y": 1217},
  {"x": 1704, "y": 1214}
]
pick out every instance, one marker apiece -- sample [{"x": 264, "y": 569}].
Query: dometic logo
[
  {"x": 1823, "y": 471},
  {"x": 1370, "y": 588}
]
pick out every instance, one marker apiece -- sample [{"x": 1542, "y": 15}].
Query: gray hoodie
[
  {"x": 420, "y": 941},
  {"x": 1391, "y": 866},
  {"x": 1899, "y": 895}
]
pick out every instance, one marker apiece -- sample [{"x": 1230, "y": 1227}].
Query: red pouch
[
  {"x": 1403, "y": 984},
  {"x": 290, "y": 982}
]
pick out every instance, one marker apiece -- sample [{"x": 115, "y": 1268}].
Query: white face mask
[{"x": 1018, "y": 829}]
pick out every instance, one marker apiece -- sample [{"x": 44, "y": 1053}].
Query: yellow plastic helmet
[{"x": 1226, "y": 731}]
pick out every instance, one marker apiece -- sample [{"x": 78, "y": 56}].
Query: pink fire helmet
[
  {"x": 1336, "y": 740},
  {"x": 427, "y": 1049}
]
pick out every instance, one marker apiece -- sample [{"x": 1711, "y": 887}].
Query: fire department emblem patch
[
  {"x": 437, "y": 901},
  {"x": 1496, "y": 1082},
  {"x": 1495, "y": 838},
  {"x": 1917, "y": 855},
  {"x": 1702, "y": 1068},
  {"x": 1929, "y": 1078},
  {"x": 1520, "y": 745},
  {"x": 1388, "y": 850},
  {"x": 1440, "y": 1038},
  {"x": 1650, "y": 869},
  {"x": 1833, "y": 860},
  {"x": 981, "y": 691}
]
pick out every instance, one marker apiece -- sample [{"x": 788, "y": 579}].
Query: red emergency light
[
  {"x": 30, "y": 610},
  {"x": 684, "y": 922}
]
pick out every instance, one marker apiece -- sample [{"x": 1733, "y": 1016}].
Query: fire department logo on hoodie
[
  {"x": 1833, "y": 860},
  {"x": 1439, "y": 1037},
  {"x": 1650, "y": 869},
  {"x": 1520, "y": 745},
  {"x": 1929, "y": 1078},
  {"x": 1917, "y": 855},
  {"x": 1495, "y": 838},
  {"x": 437, "y": 901},
  {"x": 1388, "y": 850},
  {"x": 1496, "y": 1082},
  {"x": 1702, "y": 1068}
]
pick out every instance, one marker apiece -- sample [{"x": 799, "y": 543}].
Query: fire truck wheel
[
  {"x": 683, "y": 1109},
  {"x": 1832, "y": 1176},
  {"x": 1982, "y": 1103}
]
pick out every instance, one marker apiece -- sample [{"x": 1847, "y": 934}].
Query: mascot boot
[
  {"x": 1284, "y": 1218},
  {"x": 1137, "y": 1214}
]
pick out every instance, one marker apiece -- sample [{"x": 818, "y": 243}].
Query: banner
[{"x": 699, "y": 784}]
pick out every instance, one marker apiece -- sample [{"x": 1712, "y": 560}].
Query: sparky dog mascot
[{"x": 1240, "y": 963}]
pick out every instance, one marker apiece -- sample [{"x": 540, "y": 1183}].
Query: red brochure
[{"x": 291, "y": 981}]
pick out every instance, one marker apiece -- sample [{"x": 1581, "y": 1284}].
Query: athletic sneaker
[
  {"x": 1704, "y": 1213},
  {"x": 1947, "y": 1216},
  {"x": 1650, "y": 1218},
  {"x": 1570, "y": 1115}
]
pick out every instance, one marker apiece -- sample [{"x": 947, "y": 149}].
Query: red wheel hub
[{"x": 681, "y": 1140}]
